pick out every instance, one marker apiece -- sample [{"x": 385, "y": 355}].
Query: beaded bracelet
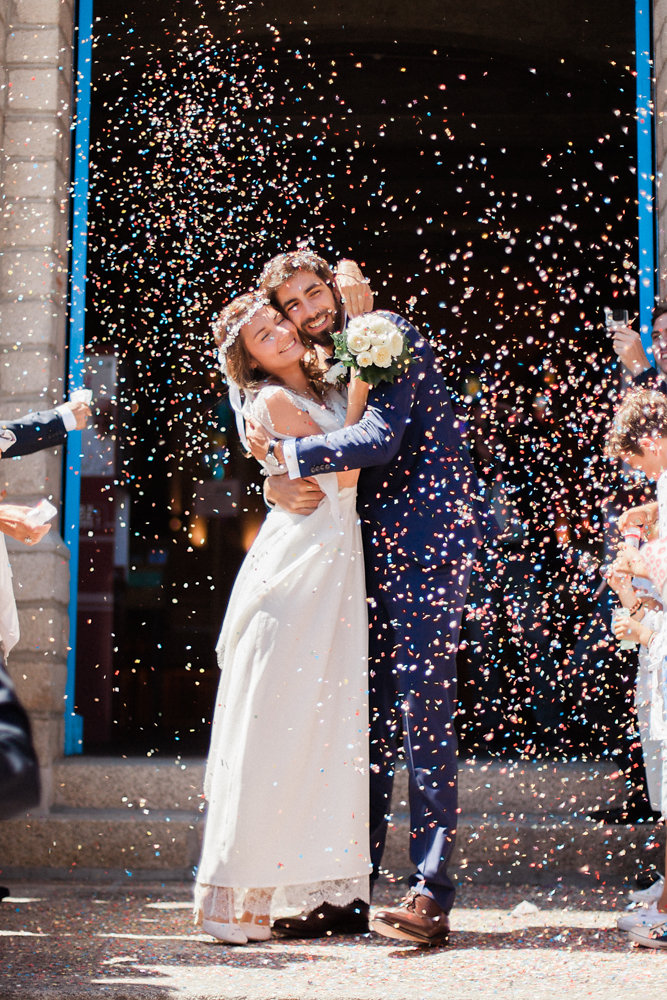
[{"x": 637, "y": 606}]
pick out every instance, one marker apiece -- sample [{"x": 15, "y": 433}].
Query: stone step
[
  {"x": 98, "y": 840},
  {"x": 116, "y": 783},
  {"x": 519, "y": 820},
  {"x": 484, "y": 786}
]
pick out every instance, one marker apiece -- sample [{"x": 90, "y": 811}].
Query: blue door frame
[
  {"x": 77, "y": 334},
  {"x": 84, "y": 55}
]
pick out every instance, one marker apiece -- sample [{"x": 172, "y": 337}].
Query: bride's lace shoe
[
  {"x": 229, "y": 933},
  {"x": 417, "y": 918},
  {"x": 256, "y": 930},
  {"x": 326, "y": 920}
]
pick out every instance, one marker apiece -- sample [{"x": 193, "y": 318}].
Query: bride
[{"x": 287, "y": 774}]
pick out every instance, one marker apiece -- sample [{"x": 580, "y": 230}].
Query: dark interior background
[{"x": 480, "y": 164}]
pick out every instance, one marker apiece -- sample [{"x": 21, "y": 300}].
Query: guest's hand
[
  {"x": 629, "y": 561},
  {"x": 629, "y": 350},
  {"x": 355, "y": 291},
  {"x": 645, "y": 517},
  {"x": 621, "y": 584},
  {"x": 629, "y": 628},
  {"x": 81, "y": 413},
  {"x": 13, "y": 523},
  {"x": 296, "y": 496}
]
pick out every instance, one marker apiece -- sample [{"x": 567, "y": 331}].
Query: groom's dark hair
[{"x": 283, "y": 267}]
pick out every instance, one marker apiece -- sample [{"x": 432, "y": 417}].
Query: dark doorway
[{"x": 487, "y": 186}]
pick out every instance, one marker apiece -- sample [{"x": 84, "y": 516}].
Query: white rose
[
  {"x": 395, "y": 343},
  {"x": 357, "y": 342},
  {"x": 364, "y": 359},
  {"x": 378, "y": 338},
  {"x": 381, "y": 356}
]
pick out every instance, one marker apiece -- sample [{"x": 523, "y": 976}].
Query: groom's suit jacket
[
  {"x": 31, "y": 433},
  {"x": 417, "y": 484}
]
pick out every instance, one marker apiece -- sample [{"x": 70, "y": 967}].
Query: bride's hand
[
  {"x": 354, "y": 288},
  {"x": 258, "y": 439}
]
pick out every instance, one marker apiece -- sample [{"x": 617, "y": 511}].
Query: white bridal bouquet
[{"x": 375, "y": 346}]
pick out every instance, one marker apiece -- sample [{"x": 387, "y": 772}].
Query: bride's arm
[
  {"x": 357, "y": 397},
  {"x": 288, "y": 419},
  {"x": 355, "y": 290}
]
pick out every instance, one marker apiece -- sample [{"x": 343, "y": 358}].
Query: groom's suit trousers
[{"x": 415, "y": 616}]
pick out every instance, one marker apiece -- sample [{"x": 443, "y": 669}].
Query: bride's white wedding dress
[{"x": 287, "y": 775}]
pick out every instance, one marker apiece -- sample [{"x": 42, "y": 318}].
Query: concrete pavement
[{"x": 70, "y": 940}]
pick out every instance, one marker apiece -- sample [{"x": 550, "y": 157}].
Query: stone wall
[{"x": 35, "y": 112}]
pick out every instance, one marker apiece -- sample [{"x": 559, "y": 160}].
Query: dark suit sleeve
[
  {"x": 34, "y": 432},
  {"x": 650, "y": 379},
  {"x": 376, "y": 439},
  {"x": 19, "y": 771}
]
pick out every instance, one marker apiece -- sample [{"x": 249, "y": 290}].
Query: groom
[{"x": 421, "y": 523}]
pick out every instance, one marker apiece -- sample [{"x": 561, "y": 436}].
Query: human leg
[
  {"x": 425, "y": 607},
  {"x": 215, "y": 913}
]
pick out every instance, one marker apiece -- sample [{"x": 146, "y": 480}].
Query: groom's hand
[{"x": 296, "y": 496}]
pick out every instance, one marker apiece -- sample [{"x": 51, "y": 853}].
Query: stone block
[
  {"x": 42, "y": 137},
  {"x": 41, "y": 571},
  {"x": 37, "y": 46},
  {"x": 31, "y": 475},
  {"x": 40, "y": 685},
  {"x": 35, "y": 321},
  {"x": 35, "y": 369},
  {"x": 48, "y": 735},
  {"x": 34, "y": 224},
  {"x": 32, "y": 274},
  {"x": 35, "y": 178},
  {"x": 43, "y": 12},
  {"x": 44, "y": 630},
  {"x": 38, "y": 90}
]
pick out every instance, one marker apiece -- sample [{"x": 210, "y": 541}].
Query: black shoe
[
  {"x": 647, "y": 877},
  {"x": 3, "y": 892},
  {"x": 633, "y": 812},
  {"x": 326, "y": 920}
]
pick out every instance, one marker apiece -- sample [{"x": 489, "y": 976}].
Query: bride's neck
[{"x": 297, "y": 380}]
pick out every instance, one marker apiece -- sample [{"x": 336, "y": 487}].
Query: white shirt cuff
[
  {"x": 68, "y": 417},
  {"x": 289, "y": 453}
]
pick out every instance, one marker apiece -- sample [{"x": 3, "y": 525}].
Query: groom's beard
[{"x": 323, "y": 336}]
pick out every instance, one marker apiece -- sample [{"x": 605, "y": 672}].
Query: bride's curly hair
[{"x": 235, "y": 360}]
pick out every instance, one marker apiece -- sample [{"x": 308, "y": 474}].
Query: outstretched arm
[{"x": 44, "y": 429}]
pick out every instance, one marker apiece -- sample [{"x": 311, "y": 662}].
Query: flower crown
[{"x": 232, "y": 332}]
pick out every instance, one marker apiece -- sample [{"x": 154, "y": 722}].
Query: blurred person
[
  {"x": 638, "y": 437},
  {"x": 630, "y": 351},
  {"x": 19, "y": 772}
]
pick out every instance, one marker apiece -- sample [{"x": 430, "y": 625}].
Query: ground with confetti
[{"x": 76, "y": 940}]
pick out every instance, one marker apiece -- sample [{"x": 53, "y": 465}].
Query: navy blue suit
[
  {"x": 422, "y": 519},
  {"x": 33, "y": 432}
]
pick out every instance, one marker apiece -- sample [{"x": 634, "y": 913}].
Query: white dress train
[{"x": 287, "y": 774}]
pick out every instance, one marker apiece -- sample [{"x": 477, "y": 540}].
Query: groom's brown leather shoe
[
  {"x": 417, "y": 918},
  {"x": 325, "y": 920}
]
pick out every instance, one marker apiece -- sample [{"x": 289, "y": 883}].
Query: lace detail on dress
[{"x": 224, "y": 905}]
